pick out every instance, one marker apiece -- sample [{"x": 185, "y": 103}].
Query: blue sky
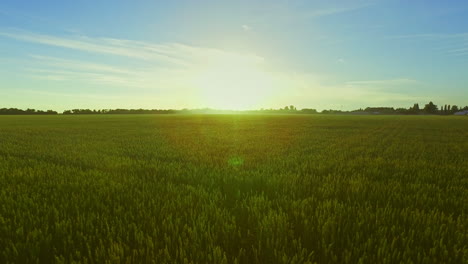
[{"x": 232, "y": 54}]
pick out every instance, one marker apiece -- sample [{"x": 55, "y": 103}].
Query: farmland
[{"x": 233, "y": 189}]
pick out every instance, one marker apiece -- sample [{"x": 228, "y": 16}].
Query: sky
[{"x": 245, "y": 54}]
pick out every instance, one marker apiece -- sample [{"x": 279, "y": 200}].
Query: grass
[{"x": 233, "y": 189}]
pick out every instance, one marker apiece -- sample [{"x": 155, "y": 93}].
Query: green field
[{"x": 233, "y": 189}]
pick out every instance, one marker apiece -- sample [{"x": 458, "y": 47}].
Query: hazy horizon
[{"x": 235, "y": 56}]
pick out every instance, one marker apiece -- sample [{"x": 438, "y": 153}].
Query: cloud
[
  {"x": 378, "y": 83},
  {"x": 98, "y": 45},
  {"x": 447, "y": 44},
  {"x": 80, "y": 65},
  {"x": 334, "y": 10},
  {"x": 392, "y": 92},
  {"x": 169, "y": 53},
  {"x": 58, "y": 69},
  {"x": 430, "y": 36},
  {"x": 283, "y": 13},
  {"x": 246, "y": 28}
]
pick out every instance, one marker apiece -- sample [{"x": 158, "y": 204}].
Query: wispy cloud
[
  {"x": 336, "y": 10},
  {"x": 80, "y": 65},
  {"x": 286, "y": 11},
  {"x": 59, "y": 69},
  {"x": 246, "y": 27},
  {"x": 170, "y": 53},
  {"x": 429, "y": 36},
  {"x": 379, "y": 83},
  {"x": 97, "y": 45},
  {"x": 455, "y": 44}
]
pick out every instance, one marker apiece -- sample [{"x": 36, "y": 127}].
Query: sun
[{"x": 235, "y": 83}]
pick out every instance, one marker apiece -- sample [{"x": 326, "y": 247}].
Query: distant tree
[
  {"x": 413, "y": 110},
  {"x": 380, "y": 110},
  {"x": 402, "y": 111},
  {"x": 430, "y": 108},
  {"x": 331, "y": 111},
  {"x": 16, "y": 111},
  {"x": 308, "y": 111},
  {"x": 455, "y": 109}
]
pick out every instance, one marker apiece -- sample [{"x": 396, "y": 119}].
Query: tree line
[
  {"x": 16, "y": 111},
  {"x": 118, "y": 111},
  {"x": 428, "y": 109}
]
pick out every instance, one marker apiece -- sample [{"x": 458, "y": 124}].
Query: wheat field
[{"x": 233, "y": 189}]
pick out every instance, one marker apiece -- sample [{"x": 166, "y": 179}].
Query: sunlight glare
[{"x": 235, "y": 83}]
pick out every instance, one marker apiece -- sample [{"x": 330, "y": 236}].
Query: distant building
[{"x": 464, "y": 112}]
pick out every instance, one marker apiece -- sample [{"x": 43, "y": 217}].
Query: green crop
[{"x": 233, "y": 189}]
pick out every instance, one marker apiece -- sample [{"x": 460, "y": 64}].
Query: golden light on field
[{"x": 235, "y": 82}]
